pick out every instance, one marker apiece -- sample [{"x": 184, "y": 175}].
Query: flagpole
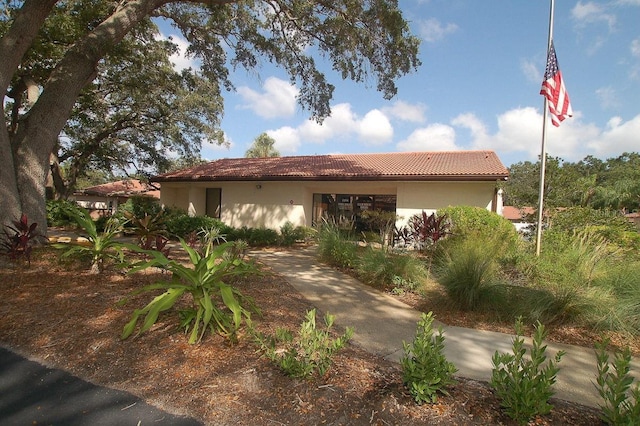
[{"x": 543, "y": 154}]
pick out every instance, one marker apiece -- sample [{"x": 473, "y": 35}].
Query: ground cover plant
[
  {"x": 308, "y": 352},
  {"x": 214, "y": 381}
]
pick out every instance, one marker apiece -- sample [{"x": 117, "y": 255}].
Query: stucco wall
[
  {"x": 271, "y": 204},
  {"x": 413, "y": 197}
]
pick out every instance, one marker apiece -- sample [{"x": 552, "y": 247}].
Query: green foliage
[
  {"x": 469, "y": 271},
  {"x": 425, "y": 369},
  {"x": 524, "y": 386},
  {"x": 149, "y": 229},
  {"x": 612, "y": 226},
  {"x": 180, "y": 224},
  {"x": 380, "y": 268},
  {"x": 480, "y": 223},
  {"x": 215, "y": 305},
  {"x": 101, "y": 246},
  {"x": 380, "y": 221},
  {"x": 262, "y": 146},
  {"x": 57, "y": 212},
  {"x": 334, "y": 248},
  {"x": 139, "y": 206},
  {"x": 616, "y": 387},
  {"x": 289, "y": 234},
  {"x": 311, "y": 351}
]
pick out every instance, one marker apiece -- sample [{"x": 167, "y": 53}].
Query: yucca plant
[{"x": 216, "y": 305}]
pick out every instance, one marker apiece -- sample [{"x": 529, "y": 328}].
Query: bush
[
  {"x": 380, "y": 268},
  {"x": 615, "y": 386},
  {"x": 524, "y": 386},
  {"x": 334, "y": 248},
  {"x": 425, "y": 369},
  {"x": 469, "y": 272},
  {"x": 312, "y": 351},
  {"x": 181, "y": 224},
  {"x": 480, "y": 223},
  {"x": 140, "y": 206},
  {"x": 58, "y": 212}
]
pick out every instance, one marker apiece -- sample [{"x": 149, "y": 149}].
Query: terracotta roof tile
[
  {"x": 452, "y": 165},
  {"x": 127, "y": 187}
]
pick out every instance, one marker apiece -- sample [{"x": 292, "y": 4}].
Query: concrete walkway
[{"x": 382, "y": 323}]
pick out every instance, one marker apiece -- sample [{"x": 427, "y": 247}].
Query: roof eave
[{"x": 394, "y": 178}]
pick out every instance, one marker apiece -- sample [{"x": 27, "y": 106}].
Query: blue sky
[{"x": 478, "y": 87}]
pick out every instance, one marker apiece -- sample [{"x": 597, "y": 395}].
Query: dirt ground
[{"x": 57, "y": 313}]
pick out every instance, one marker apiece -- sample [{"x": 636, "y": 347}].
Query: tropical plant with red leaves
[
  {"x": 427, "y": 230},
  {"x": 17, "y": 243}
]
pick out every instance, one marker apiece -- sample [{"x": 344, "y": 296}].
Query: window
[{"x": 341, "y": 207}]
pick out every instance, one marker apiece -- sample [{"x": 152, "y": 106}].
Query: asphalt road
[{"x": 32, "y": 394}]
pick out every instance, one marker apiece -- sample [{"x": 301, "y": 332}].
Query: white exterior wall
[
  {"x": 414, "y": 197},
  {"x": 272, "y": 203}
]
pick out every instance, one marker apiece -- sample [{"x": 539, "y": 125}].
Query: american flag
[{"x": 553, "y": 89}]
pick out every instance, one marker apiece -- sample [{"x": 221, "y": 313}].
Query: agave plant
[{"x": 216, "y": 305}]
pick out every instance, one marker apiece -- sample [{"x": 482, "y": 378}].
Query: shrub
[
  {"x": 469, "y": 272},
  {"x": 289, "y": 234},
  {"x": 17, "y": 241},
  {"x": 312, "y": 350},
  {"x": 140, "y": 206},
  {"x": 615, "y": 385},
  {"x": 334, "y": 248},
  {"x": 524, "y": 386},
  {"x": 425, "y": 369},
  {"x": 427, "y": 230},
  {"x": 380, "y": 268},
  {"x": 215, "y": 305},
  {"x": 57, "y": 212},
  {"x": 260, "y": 237},
  {"x": 480, "y": 223},
  {"x": 180, "y": 224}
]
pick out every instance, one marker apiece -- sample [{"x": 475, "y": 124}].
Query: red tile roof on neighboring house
[
  {"x": 122, "y": 188},
  {"x": 517, "y": 214},
  {"x": 453, "y": 165}
]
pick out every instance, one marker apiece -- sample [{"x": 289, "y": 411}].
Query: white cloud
[
  {"x": 278, "y": 98},
  {"x": 342, "y": 122},
  {"x": 608, "y": 97},
  {"x": 589, "y": 13},
  {"x": 375, "y": 128},
  {"x": 405, "y": 111},
  {"x": 435, "y": 137},
  {"x": 287, "y": 139},
  {"x": 635, "y": 47},
  {"x": 532, "y": 70},
  {"x": 476, "y": 127},
  {"x": 432, "y": 30},
  {"x": 616, "y": 138}
]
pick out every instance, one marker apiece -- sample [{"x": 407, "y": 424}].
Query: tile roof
[
  {"x": 127, "y": 188},
  {"x": 516, "y": 213},
  {"x": 452, "y": 165}
]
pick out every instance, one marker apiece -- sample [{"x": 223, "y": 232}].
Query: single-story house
[
  {"x": 104, "y": 199},
  {"x": 268, "y": 192}
]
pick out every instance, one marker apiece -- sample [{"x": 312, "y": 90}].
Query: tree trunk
[
  {"x": 23, "y": 181},
  {"x": 13, "y": 45}
]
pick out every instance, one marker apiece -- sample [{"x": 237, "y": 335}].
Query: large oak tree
[{"x": 361, "y": 39}]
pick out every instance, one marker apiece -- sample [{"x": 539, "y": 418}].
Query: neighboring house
[
  {"x": 520, "y": 217},
  {"x": 104, "y": 199},
  {"x": 268, "y": 192}
]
